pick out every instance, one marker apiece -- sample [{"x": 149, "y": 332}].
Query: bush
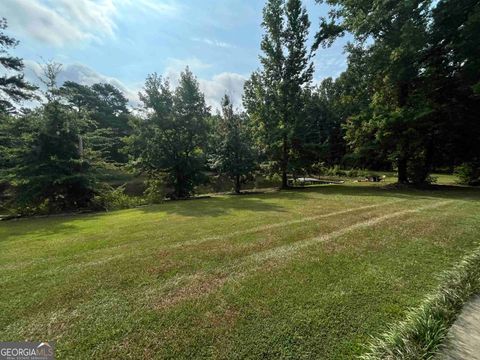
[
  {"x": 155, "y": 192},
  {"x": 44, "y": 208},
  {"x": 337, "y": 170},
  {"x": 356, "y": 173},
  {"x": 469, "y": 173},
  {"x": 115, "y": 199},
  {"x": 418, "y": 172},
  {"x": 274, "y": 179}
]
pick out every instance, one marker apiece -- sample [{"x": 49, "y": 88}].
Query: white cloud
[
  {"x": 41, "y": 22},
  {"x": 213, "y": 42},
  {"x": 214, "y": 88},
  {"x": 81, "y": 74},
  {"x": 89, "y": 15},
  {"x": 171, "y": 7},
  {"x": 65, "y": 22},
  {"x": 175, "y": 66},
  {"x": 221, "y": 84}
]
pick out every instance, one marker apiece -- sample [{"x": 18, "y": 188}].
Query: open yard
[{"x": 310, "y": 273}]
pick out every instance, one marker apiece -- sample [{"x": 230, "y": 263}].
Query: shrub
[
  {"x": 336, "y": 170},
  {"x": 469, "y": 173},
  {"x": 155, "y": 192},
  {"x": 43, "y": 208},
  {"x": 417, "y": 170},
  {"x": 274, "y": 178},
  {"x": 112, "y": 198}
]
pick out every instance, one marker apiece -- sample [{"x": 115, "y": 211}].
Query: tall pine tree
[
  {"x": 106, "y": 108},
  {"x": 13, "y": 87},
  {"x": 233, "y": 154},
  {"x": 274, "y": 95},
  {"x": 50, "y": 168}
]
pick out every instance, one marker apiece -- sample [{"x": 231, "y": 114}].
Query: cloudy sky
[{"x": 121, "y": 41}]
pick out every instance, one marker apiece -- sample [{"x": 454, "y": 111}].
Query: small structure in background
[
  {"x": 310, "y": 181},
  {"x": 372, "y": 178}
]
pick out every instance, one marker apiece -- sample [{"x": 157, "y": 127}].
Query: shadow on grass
[
  {"x": 222, "y": 205},
  {"x": 57, "y": 225},
  {"x": 218, "y": 206},
  {"x": 35, "y": 228},
  {"x": 448, "y": 192}
]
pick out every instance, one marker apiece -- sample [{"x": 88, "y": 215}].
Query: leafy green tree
[
  {"x": 326, "y": 108},
  {"x": 13, "y": 87},
  {"x": 170, "y": 141},
  {"x": 48, "y": 164},
  {"x": 274, "y": 96},
  {"x": 233, "y": 153},
  {"x": 392, "y": 35},
  {"x": 106, "y": 109},
  {"x": 452, "y": 84},
  {"x": 331, "y": 105},
  {"x": 80, "y": 97},
  {"x": 416, "y": 78}
]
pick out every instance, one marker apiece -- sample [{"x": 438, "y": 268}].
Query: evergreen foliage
[
  {"x": 47, "y": 162},
  {"x": 171, "y": 140},
  {"x": 233, "y": 153},
  {"x": 274, "y": 95},
  {"x": 13, "y": 86}
]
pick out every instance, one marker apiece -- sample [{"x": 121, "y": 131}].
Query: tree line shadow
[
  {"x": 221, "y": 205},
  {"x": 46, "y": 226},
  {"x": 448, "y": 192},
  {"x": 218, "y": 206}
]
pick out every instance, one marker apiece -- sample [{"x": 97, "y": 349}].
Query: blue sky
[{"x": 121, "y": 41}]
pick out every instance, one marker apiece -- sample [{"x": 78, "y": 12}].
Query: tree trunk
[
  {"x": 80, "y": 146},
  {"x": 428, "y": 164},
  {"x": 237, "y": 184},
  {"x": 285, "y": 163},
  {"x": 402, "y": 171},
  {"x": 179, "y": 186},
  {"x": 403, "y": 93}
]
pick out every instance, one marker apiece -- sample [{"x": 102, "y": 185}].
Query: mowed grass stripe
[
  {"x": 228, "y": 249},
  {"x": 179, "y": 281},
  {"x": 288, "y": 250},
  {"x": 269, "y": 291},
  {"x": 185, "y": 287},
  {"x": 137, "y": 254},
  {"x": 280, "y": 224},
  {"x": 190, "y": 285},
  {"x": 101, "y": 253}
]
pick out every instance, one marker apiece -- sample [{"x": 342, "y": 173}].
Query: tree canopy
[
  {"x": 233, "y": 152},
  {"x": 404, "y": 49},
  {"x": 170, "y": 141},
  {"x": 13, "y": 87},
  {"x": 408, "y": 102},
  {"x": 274, "y": 95}
]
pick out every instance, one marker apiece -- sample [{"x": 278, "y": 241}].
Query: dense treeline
[
  {"x": 417, "y": 67},
  {"x": 408, "y": 101}
]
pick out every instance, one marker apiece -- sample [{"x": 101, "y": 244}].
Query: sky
[{"x": 122, "y": 41}]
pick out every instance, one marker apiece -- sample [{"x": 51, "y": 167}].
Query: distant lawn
[{"x": 310, "y": 274}]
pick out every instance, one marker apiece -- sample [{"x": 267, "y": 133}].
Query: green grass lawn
[{"x": 312, "y": 273}]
